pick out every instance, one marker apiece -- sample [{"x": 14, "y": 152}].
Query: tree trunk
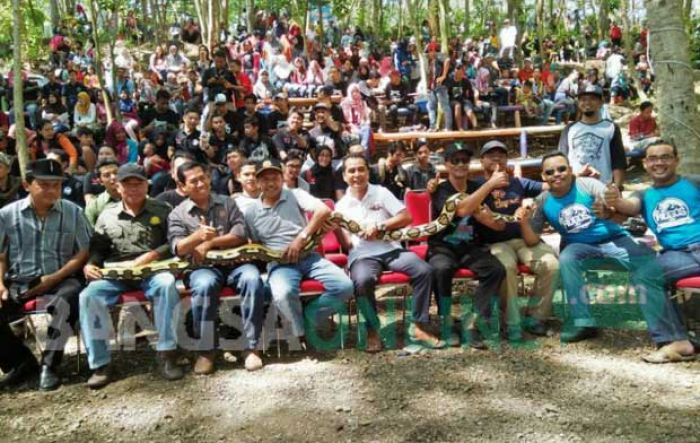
[
  {"x": 687, "y": 9},
  {"x": 18, "y": 88},
  {"x": 676, "y": 106},
  {"x": 250, "y": 14},
  {"x": 603, "y": 19},
  {"x": 539, "y": 19},
  {"x": 203, "y": 17},
  {"x": 99, "y": 66},
  {"x": 213, "y": 10},
  {"x": 433, "y": 21},
  {"x": 444, "y": 26},
  {"x": 55, "y": 17},
  {"x": 467, "y": 16}
]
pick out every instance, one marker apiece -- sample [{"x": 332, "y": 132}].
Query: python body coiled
[{"x": 253, "y": 252}]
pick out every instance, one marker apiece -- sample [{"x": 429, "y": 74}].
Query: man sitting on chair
[
  {"x": 278, "y": 221},
  {"x": 44, "y": 242},
  {"x": 134, "y": 230},
  {"x": 378, "y": 210},
  {"x": 574, "y": 208},
  {"x": 671, "y": 209},
  {"x": 205, "y": 222}
]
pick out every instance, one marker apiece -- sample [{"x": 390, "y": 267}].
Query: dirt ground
[{"x": 595, "y": 391}]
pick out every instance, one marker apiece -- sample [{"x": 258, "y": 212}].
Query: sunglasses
[
  {"x": 460, "y": 161},
  {"x": 552, "y": 171}
]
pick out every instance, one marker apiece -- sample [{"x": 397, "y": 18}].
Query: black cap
[
  {"x": 131, "y": 170},
  {"x": 591, "y": 90},
  {"x": 268, "y": 165},
  {"x": 45, "y": 169},
  {"x": 490, "y": 146},
  {"x": 321, "y": 105},
  {"x": 421, "y": 142},
  {"x": 454, "y": 149}
]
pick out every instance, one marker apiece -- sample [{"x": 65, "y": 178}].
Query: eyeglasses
[
  {"x": 666, "y": 158},
  {"x": 460, "y": 161},
  {"x": 552, "y": 171}
]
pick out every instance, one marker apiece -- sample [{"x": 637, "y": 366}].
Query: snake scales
[{"x": 256, "y": 252}]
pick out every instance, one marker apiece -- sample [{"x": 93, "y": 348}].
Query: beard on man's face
[{"x": 589, "y": 113}]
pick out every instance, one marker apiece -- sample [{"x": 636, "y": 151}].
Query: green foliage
[
  {"x": 695, "y": 42},
  {"x": 33, "y": 43}
]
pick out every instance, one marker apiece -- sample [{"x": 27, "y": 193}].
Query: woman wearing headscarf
[
  {"x": 85, "y": 114},
  {"x": 55, "y": 112},
  {"x": 126, "y": 148},
  {"x": 357, "y": 115}
]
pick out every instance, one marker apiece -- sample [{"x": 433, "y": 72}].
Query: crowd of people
[{"x": 208, "y": 154}]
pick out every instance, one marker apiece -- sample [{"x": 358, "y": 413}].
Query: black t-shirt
[
  {"x": 190, "y": 143},
  {"x": 221, "y": 146},
  {"x": 92, "y": 185},
  {"x": 339, "y": 88},
  {"x": 161, "y": 183},
  {"x": 164, "y": 120},
  {"x": 323, "y": 182},
  {"x": 260, "y": 149},
  {"x": 326, "y": 137},
  {"x": 418, "y": 178},
  {"x": 171, "y": 197},
  {"x": 72, "y": 190},
  {"x": 506, "y": 201},
  {"x": 394, "y": 180},
  {"x": 284, "y": 141},
  {"x": 273, "y": 119},
  {"x": 460, "y": 233},
  {"x": 397, "y": 94},
  {"x": 221, "y": 75},
  {"x": 460, "y": 90}
]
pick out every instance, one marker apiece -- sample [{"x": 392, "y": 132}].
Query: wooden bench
[{"x": 479, "y": 135}]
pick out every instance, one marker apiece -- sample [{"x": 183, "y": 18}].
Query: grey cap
[
  {"x": 591, "y": 90},
  {"x": 131, "y": 170},
  {"x": 490, "y": 146}
]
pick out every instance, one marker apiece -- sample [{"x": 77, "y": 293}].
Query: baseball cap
[
  {"x": 280, "y": 96},
  {"x": 268, "y": 165},
  {"x": 131, "y": 170},
  {"x": 454, "y": 149},
  {"x": 321, "y": 105},
  {"x": 220, "y": 98},
  {"x": 490, "y": 146},
  {"x": 591, "y": 90},
  {"x": 45, "y": 169}
]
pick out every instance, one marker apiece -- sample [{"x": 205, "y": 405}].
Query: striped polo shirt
[{"x": 35, "y": 247}]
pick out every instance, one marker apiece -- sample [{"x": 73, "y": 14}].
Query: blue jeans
[
  {"x": 95, "y": 321},
  {"x": 206, "y": 284},
  {"x": 680, "y": 264},
  {"x": 284, "y": 281},
  {"x": 439, "y": 95},
  {"x": 662, "y": 320}
]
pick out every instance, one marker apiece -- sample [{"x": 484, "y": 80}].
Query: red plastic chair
[
  {"x": 685, "y": 290},
  {"x": 419, "y": 205}
]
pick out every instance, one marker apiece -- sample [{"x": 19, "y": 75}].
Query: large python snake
[{"x": 256, "y": 252}]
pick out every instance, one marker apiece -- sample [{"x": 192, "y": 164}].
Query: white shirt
[{"x": 378, "y": 205}]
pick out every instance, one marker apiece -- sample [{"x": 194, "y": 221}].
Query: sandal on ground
[{"x": 664, "y": 355}]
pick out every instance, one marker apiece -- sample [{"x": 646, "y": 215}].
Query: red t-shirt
[{"x": 640, "y": 126}]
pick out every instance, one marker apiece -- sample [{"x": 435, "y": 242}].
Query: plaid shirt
[{"x": 35, "y": 247}]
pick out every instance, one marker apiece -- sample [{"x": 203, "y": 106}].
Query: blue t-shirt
[
  {"x": 572, "y": 214},
  {"x": 506, "y": 201},
  {"x": 673, "y": 212}
]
